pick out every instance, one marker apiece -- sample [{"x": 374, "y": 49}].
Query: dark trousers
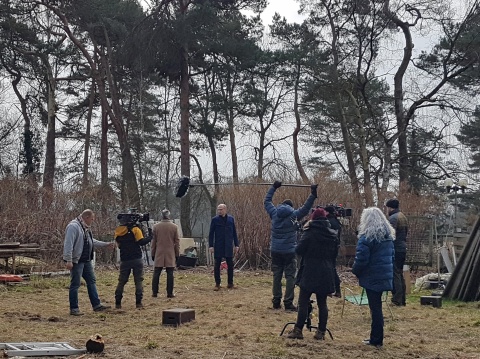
[
  {"x": 216, "y": 270},
  {"x": 283, "y": 263},
  {"x": 126, "y": 267},
  {"x": 375, "y": 304},
  {"x": 304, "y": 303},
  {"x": 398, "y": 279},
  {"x": 156, "y": 279}
]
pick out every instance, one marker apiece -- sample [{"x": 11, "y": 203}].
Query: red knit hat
[{"x": 319, "y": 213}]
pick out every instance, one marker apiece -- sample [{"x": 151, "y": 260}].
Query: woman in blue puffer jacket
[{"x": 373, "y": 265}]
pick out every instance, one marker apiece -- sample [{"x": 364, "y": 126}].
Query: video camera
[
  {"x": 132, "y": 218},
  {"x": 339, "y": 210}
]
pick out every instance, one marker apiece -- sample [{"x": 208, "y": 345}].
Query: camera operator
[
  {"x": 129, "y": 238},
  {"x": 336, "y": 225},
  {"x": 282, "y": 243}
]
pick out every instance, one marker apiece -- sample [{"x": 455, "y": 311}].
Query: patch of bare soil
[{"x": 231, "y": 323}]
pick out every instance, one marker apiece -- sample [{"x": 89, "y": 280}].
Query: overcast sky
[{"x": 286, "y": 8}]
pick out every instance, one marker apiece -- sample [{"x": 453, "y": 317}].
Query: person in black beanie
[
  {"x": 336, "y": 225},
  {"x": 400, "y": 224},
  {"x": 283, "y": 241}
]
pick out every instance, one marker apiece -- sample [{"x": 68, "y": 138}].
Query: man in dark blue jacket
[
  {"x": 221, "y": 241},
  {"x": 283, "y": 241}
]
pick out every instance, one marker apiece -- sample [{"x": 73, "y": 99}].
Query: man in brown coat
[{"x": 165, "y": 251}]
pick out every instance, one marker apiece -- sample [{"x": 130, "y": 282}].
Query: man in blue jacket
[
  {"x": 283, "y": 240},
  {"x": 223, "y": 243}
]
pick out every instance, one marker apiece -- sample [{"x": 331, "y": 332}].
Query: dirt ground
[{"x": 231, "y": 323}]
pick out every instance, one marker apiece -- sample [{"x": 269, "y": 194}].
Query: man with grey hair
[
  {"x": 165, "y": 252},
  {"x": 78, "y": 254}
]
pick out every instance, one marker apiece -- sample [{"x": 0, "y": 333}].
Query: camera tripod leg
[{"x": 285, "y": 327}]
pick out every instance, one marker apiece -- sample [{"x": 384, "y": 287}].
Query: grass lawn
[{"x": 230, "y": 323}]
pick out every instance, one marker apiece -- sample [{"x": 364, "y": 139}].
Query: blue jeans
[
  {"x": 375, "y": 304},
  {"x": 85, "y": 270},
  {"x": 283, "y": 263}
]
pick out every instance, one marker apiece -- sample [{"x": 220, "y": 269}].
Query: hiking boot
[
  {"x": 231, "y": 286},
  {"x": 277, "y": 306},
  {"x": 319, "y": 335},
  {"x": 139, "y": 306},
  {"x": 217, "y": 288},
  {"x": 101, "y": 308},
  {"x": 338, "y": 294},
  {"x": 171, "y": 295},
  {"x": 76, "y": 312},
  {"x": 295, "y": 333},
  {"x": 118, "y": 306},
  {"x": 154, "y": 295},
  {"x": 290, "y": 308}
]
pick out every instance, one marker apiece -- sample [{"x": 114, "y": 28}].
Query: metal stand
[{"x": 308, "y": 322}]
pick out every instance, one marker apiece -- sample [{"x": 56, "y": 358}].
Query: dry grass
[{"x": 230, "y": 323}]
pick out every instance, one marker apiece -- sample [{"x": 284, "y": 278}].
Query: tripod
[{"x": 308, "y": 322}]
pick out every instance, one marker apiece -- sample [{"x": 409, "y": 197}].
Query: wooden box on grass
[{"x": 177, "y": 316}]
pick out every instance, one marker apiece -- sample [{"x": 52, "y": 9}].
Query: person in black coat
[
  {"x": 223, "y": 243},
  {"x": 336, "y": 225},
  {"x": 318, "y": 249}
]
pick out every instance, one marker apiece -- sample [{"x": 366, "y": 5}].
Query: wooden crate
[{"x": 177, "y": 316}]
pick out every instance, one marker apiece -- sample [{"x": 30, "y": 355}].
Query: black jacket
[{"x": 318, "y": 249}]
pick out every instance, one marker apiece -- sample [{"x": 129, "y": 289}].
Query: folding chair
[{"x": 362, "y": 299}]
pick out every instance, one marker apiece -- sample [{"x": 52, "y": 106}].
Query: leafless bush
[{"x": 29, "y": 215}]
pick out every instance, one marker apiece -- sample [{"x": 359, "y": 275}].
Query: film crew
[
  {"x": 373, "y": 265},
  {"x": 400, "y": 223},
  {"x": 223, "y": 243},
  {"x": 78, "y": 254},
  {"x": 129, "y": 238},
  {"x": 336, "y": 225},
  {"x": 318, "y": 249},
  {"x": 165, "y": 252},
  {"x": 283, "y": 239}
]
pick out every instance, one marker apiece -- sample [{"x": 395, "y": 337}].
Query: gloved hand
[
  {"x": 313, "y": 189},
  {"x": 276, "y": 184},
  {"x": 153, "y": 258}
]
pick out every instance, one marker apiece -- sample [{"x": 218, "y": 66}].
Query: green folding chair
[{"x": 362, "y": 299}]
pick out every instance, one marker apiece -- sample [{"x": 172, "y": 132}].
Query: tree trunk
[
  {"x": 49, "y": 171},
  {"x": 86, "y": 153},
  {"x": 297, "y": 129},
  {"x": 185, "y": 203},
  {"x": 231, "y": 128},
  {"x": 398, "y": 93}
]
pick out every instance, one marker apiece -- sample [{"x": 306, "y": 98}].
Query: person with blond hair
[{"x": 373, "y": 265}]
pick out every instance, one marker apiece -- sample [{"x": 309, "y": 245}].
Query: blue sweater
[
  {"x": 283, "y": 237},
  {"x": 374, "y": 264}
]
